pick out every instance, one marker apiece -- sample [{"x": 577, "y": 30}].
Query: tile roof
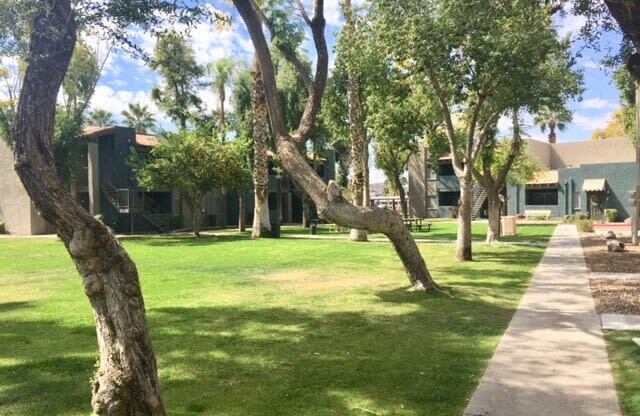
[{"x": 144, "y": 140}]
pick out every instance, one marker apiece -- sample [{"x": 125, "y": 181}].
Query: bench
[
  {"x": 417, "y": 223},
  {"x": 544, "y": 214}
]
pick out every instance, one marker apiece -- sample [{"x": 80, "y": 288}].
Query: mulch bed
[
  {"x": 616, "y": 296},
  {"x": 599, "y": 260},
  {"x": 613, "y": 295}
]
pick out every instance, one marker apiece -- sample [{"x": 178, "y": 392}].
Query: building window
[
  {"x": 575, "y": 201},
  {"x": 448, "y": 199},
  {"x": 446, "y": 169},
  {"x": 541, "y": 196}
]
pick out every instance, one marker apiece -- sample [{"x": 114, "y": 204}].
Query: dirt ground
[
  {"x": 600, "y": 260},
  {"x": 616, "y": 296}
]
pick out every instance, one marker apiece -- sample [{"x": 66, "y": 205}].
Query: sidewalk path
[{"x": 552, "y": 360}]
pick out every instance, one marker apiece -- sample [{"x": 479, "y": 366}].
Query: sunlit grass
[{"x": 265, "y": 327}]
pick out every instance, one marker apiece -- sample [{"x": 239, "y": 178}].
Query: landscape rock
[{"x": 615, "y": 246}]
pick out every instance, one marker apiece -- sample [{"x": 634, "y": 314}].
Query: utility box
[{"x": 508, "y": 225}]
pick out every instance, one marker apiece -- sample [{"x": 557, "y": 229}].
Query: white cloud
[
  {"x": 570, "y": 24},
  {"x": 592, "y": 122},
  {"x": 598, "y": 104}
]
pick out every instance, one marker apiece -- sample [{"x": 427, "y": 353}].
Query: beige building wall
[{"x": 16, "y": 209}]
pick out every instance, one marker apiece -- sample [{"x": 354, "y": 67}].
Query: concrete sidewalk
[{"x": 552, "y": 360}]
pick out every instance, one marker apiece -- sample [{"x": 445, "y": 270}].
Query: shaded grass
[
  {"x": 265, "y": 327},
  {"x": 447, "y": 230},
  {"x": 624, "y": 356}
]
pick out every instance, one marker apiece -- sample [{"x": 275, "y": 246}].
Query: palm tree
[
  {"x": 139, "y": 117},
  {"x": 552, "y": 120},
  {"x": 222, "y": 72},
  {"x": 100, "y": 118}
]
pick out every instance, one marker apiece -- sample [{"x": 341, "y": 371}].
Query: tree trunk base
[{"x": 358, "y": 235}]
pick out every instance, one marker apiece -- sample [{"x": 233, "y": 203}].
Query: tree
[
  {"x": 139, "y": 117},
  {"x": 503, "y": 161},
  {"x": 476, "y": 60},
  {"x": 552, "y": 120},
  {"x": 359, "y": 142},
  {"x": 327, "y": 197},
  {"x": 194, "y": 165},
  {"x": 126, "y": 382},
  {"x": 222, "y": 72},
  {"x": 11, "y": 79},
  {"x": 100, "y": 118},
  {"x": 175, "y": 60},
  {"x": 616, "y": 127}
]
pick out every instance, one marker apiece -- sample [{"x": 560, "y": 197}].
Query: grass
[
  {"x": 265, "y": 327},
  {"x": 447, "y": 230},
  {"x": 624, "y": 356}
]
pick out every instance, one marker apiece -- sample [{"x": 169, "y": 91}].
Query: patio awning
[
  {"x": 594, "y": 185},
  {"x": 549, "y": 177}
]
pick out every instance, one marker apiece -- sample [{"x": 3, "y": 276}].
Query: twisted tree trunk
[
  {"x": 327, "y": 197},
  {"x": 261, "y": 221},
  {"x": 495, "y": 212},
  {"x": 126, "y": 382}
]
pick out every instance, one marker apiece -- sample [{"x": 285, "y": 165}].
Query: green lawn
[
  {"x": 447, "y": 230},
  {"x": 265, "y": 327},
  {"x": 624, "y": 356}
]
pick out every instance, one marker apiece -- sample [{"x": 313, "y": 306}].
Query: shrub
[
  {"x": 585, "y": 226},
  {"x": 3, "y": 228},
  {"x": 611, "y": 214}
]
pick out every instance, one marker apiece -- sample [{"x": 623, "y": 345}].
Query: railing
[
  {"x": 118, "y": 197},
  {"x": 480, "y": 195}
]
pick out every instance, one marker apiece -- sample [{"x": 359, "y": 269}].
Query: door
[{"x": 595, "y": 200}]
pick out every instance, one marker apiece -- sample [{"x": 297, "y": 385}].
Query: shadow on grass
[
  {"x": 186, "y": 240},
  {"x": 273, "y": 361}
]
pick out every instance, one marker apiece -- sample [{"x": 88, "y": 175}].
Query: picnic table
[{"x": 417, "y": 223}]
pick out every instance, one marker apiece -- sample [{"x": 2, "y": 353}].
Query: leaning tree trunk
[
  {"x": 332, "y": 206},
  {"x": 358, "y": 139},
  {"x": 494, "y": 211},
  {"x": 261, "y": 221},
  {"x": 126, "y": 382},
  {"x": 463, "y": 242}
]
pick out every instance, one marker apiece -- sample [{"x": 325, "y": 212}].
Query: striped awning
[
  {"x": 594, "y": 185},
  {"x": 548, "y": 177}
]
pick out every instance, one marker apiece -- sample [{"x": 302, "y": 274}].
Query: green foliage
[
  {"x": 585, "y": 226},
  {"x": 139, "y": 117},
  {"x": 100, "y": 118},
  {"x": 3, "y": 228},
  {"x": 611, "y": 214},
  {"x": 242, "y": 104},
  {"x": 175, "y": 60},
  {"x": 627, "y": 87},
  {"x": 194, "y": 165},
  {"x": 573, "y": 218}
]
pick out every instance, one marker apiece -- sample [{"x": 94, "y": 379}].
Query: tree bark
[
  {"x": 196, "y": 206},
  {"x": 402, "y": 195},
  {"x": 126, "y": 382},
  {"x": 306, "y": 210},
  {"x": 463, "y": 242},
  {"x": 242, "y": 211},
  {"x": 495, "y": 212},
  {"x": 358, "y": 135},
  {"x": 261, "y": 220}
]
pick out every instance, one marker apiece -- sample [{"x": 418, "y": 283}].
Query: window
[
  {"x": 575, "y": 201},
  {"x": 541, "y": 196},
  {"x": 448, "y": 199},
  {"x": 446, "y": 169}
]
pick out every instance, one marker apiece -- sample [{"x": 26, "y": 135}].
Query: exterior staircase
[
  {"x": 479, "y": 196},
  {"x": 118, "y": 197}
]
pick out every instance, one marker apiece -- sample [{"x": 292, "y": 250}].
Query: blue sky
[{"x": 127, "y": 79}]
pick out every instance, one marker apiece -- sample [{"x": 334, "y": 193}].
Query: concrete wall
[{"x": 16, "y": 209}]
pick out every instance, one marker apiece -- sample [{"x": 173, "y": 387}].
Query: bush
[
  {"x": 574, "y": 218},
  {"x": 3, "y": 228},
  {"x": 585, "y": 226},
  {"x": 611, "y": 214}
]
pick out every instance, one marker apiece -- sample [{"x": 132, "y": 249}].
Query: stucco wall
[
  {"x": 15, "y": 204},
  {"x": 574, "y": 154}
]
